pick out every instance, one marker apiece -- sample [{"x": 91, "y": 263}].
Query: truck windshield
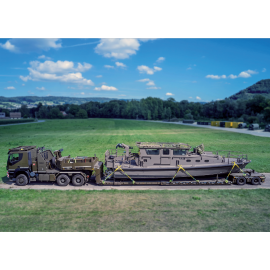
[{"x": 14, "y": 158}]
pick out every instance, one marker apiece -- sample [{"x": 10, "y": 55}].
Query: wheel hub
[{"x": 21, "y": 180}]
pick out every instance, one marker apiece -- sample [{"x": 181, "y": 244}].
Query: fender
[{"x": 19, "y": 169}]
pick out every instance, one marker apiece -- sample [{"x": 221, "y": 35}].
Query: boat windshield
[
  {"x": 152, "y": 151},
  {"x": 179, "y": 152}
]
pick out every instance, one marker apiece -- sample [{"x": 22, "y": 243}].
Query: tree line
[{"x": 255, "y": 110}]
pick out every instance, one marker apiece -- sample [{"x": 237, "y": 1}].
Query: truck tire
[
  {"x": 21, "y": 180},
  {"x": 241, "y": 180},
  {"x": 62, "y": 180},
  {"x": 77, "y": 180},
  {"x": 256, "y": 180}
]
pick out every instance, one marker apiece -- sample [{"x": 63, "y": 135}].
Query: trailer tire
[
  {"x": 21, "y": 180},
  {"x": 78, "y": 180},
  {"x": 256, "y": 180},
  {"x": 62, "y": 180},
  {"x": 241, "y": 180}
]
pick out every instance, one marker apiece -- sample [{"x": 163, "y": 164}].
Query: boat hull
[{"x": 168, "y": 172}]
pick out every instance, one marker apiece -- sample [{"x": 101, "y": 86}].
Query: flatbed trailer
[{"x": 248, "y": 177}]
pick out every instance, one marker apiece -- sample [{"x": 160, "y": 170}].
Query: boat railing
[
  {"x": 233, "y": 154},
  {"x": 117, "y": 152}
]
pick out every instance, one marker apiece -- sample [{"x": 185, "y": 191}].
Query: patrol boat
[{"x": 158, "y": 160}]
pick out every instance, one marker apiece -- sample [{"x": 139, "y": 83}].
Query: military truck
[{"x": 30, "y": 163}]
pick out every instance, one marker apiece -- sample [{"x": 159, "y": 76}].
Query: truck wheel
[
  {"x": 62, "y": 180},
  {"x": 77, "y": 180},
  {"x": 256, "y": 180},
  {"x": 241, "y": 180},
  {"x": 21, "y": 180}
]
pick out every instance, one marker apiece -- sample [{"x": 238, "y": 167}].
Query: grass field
[
  {"x": 191, "y": 210},
  {"x": 198, "y": 210}
]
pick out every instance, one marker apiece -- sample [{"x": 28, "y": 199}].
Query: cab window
[
  {"x": 179, "y": 152},
  {"x": 14, "y": 158},
  {"x": 152, "y": 151}
]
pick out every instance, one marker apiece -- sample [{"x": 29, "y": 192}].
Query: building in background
[
  {"x": 2, "y": 115},
  {"x": 15, "y": 115}
]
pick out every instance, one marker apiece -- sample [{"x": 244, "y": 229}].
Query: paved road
[
  {"x": 39, "y": 121},
  {"x": 52, "y": 186},
  {"x": 259, "y": 132}
]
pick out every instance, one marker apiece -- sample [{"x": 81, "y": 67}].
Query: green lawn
[
  {"x": 194, "y": 210},
  {"x": 94, "y": 136},
  {"x": 190, "y": 210}
]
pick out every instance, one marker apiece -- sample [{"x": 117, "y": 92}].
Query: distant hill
[
  {"x": 262, "y": 88},
  {"x": 16, "y": 102}
]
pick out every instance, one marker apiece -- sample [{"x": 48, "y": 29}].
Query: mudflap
[{"x": 98, "y": 168}]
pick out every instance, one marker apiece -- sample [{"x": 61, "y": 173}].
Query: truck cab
[{"x": 31, "y": 163}]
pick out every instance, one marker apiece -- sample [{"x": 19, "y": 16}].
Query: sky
[{"x": 185, "y": 69}]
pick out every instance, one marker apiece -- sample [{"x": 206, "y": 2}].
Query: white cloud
[
  {"x": 10, "y": 88},
  {"x": 41, "y": 88},
  {"x": 82, "y": 93},
  {"x": 232, "y": 76},
  {"x": 244, "y": 74},
  {"x": 154, "y": 87},
  {"x": 169, "y": 94},
  {"x": 189, "y": 68},
  {"x": 108, "y": 66},
  {"x": 194, "y": 81},
  {"x": 247, "y": 73},
  {"x": 119, "y": 48},
  {"x": 118, "y": 64},
  {"x": 198, "y": 98},
  {"x": 190, "y": 97},
  {"x": 30, "y": 92},
  {"x": 26, "y": 45},
  {"x": 121, "y": 95},
  {"x": 148, "y": 70},
  {"x": 150, "y": 83},
  {"x": 8, "y": 46},
  {"x": 23, "y": 84},
  {"x": 144, "y": 80},
  {"x": 62, "y": 71},
  {"x": 99, "y": 76},
  {"x": 160, "y": 59},
  {"x": 44, "y": 57},
  {"x": 83, "y": 68},
  {"x": 59, "y": 66},
  {"x": 252, "y": 71},
  {"x": 264, "y": 70},
  {"x": 216, "y": 77},
  {"x": 105, "y": 88}
]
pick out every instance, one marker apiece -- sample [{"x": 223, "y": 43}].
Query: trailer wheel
[
  {"x": 21, "y": 180},
  {"x": 241, "y": 180},
  {"x": 62, "y": 180},
  {"x": 256, "y": 180},
  {"x": 77, "y": 180}
]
